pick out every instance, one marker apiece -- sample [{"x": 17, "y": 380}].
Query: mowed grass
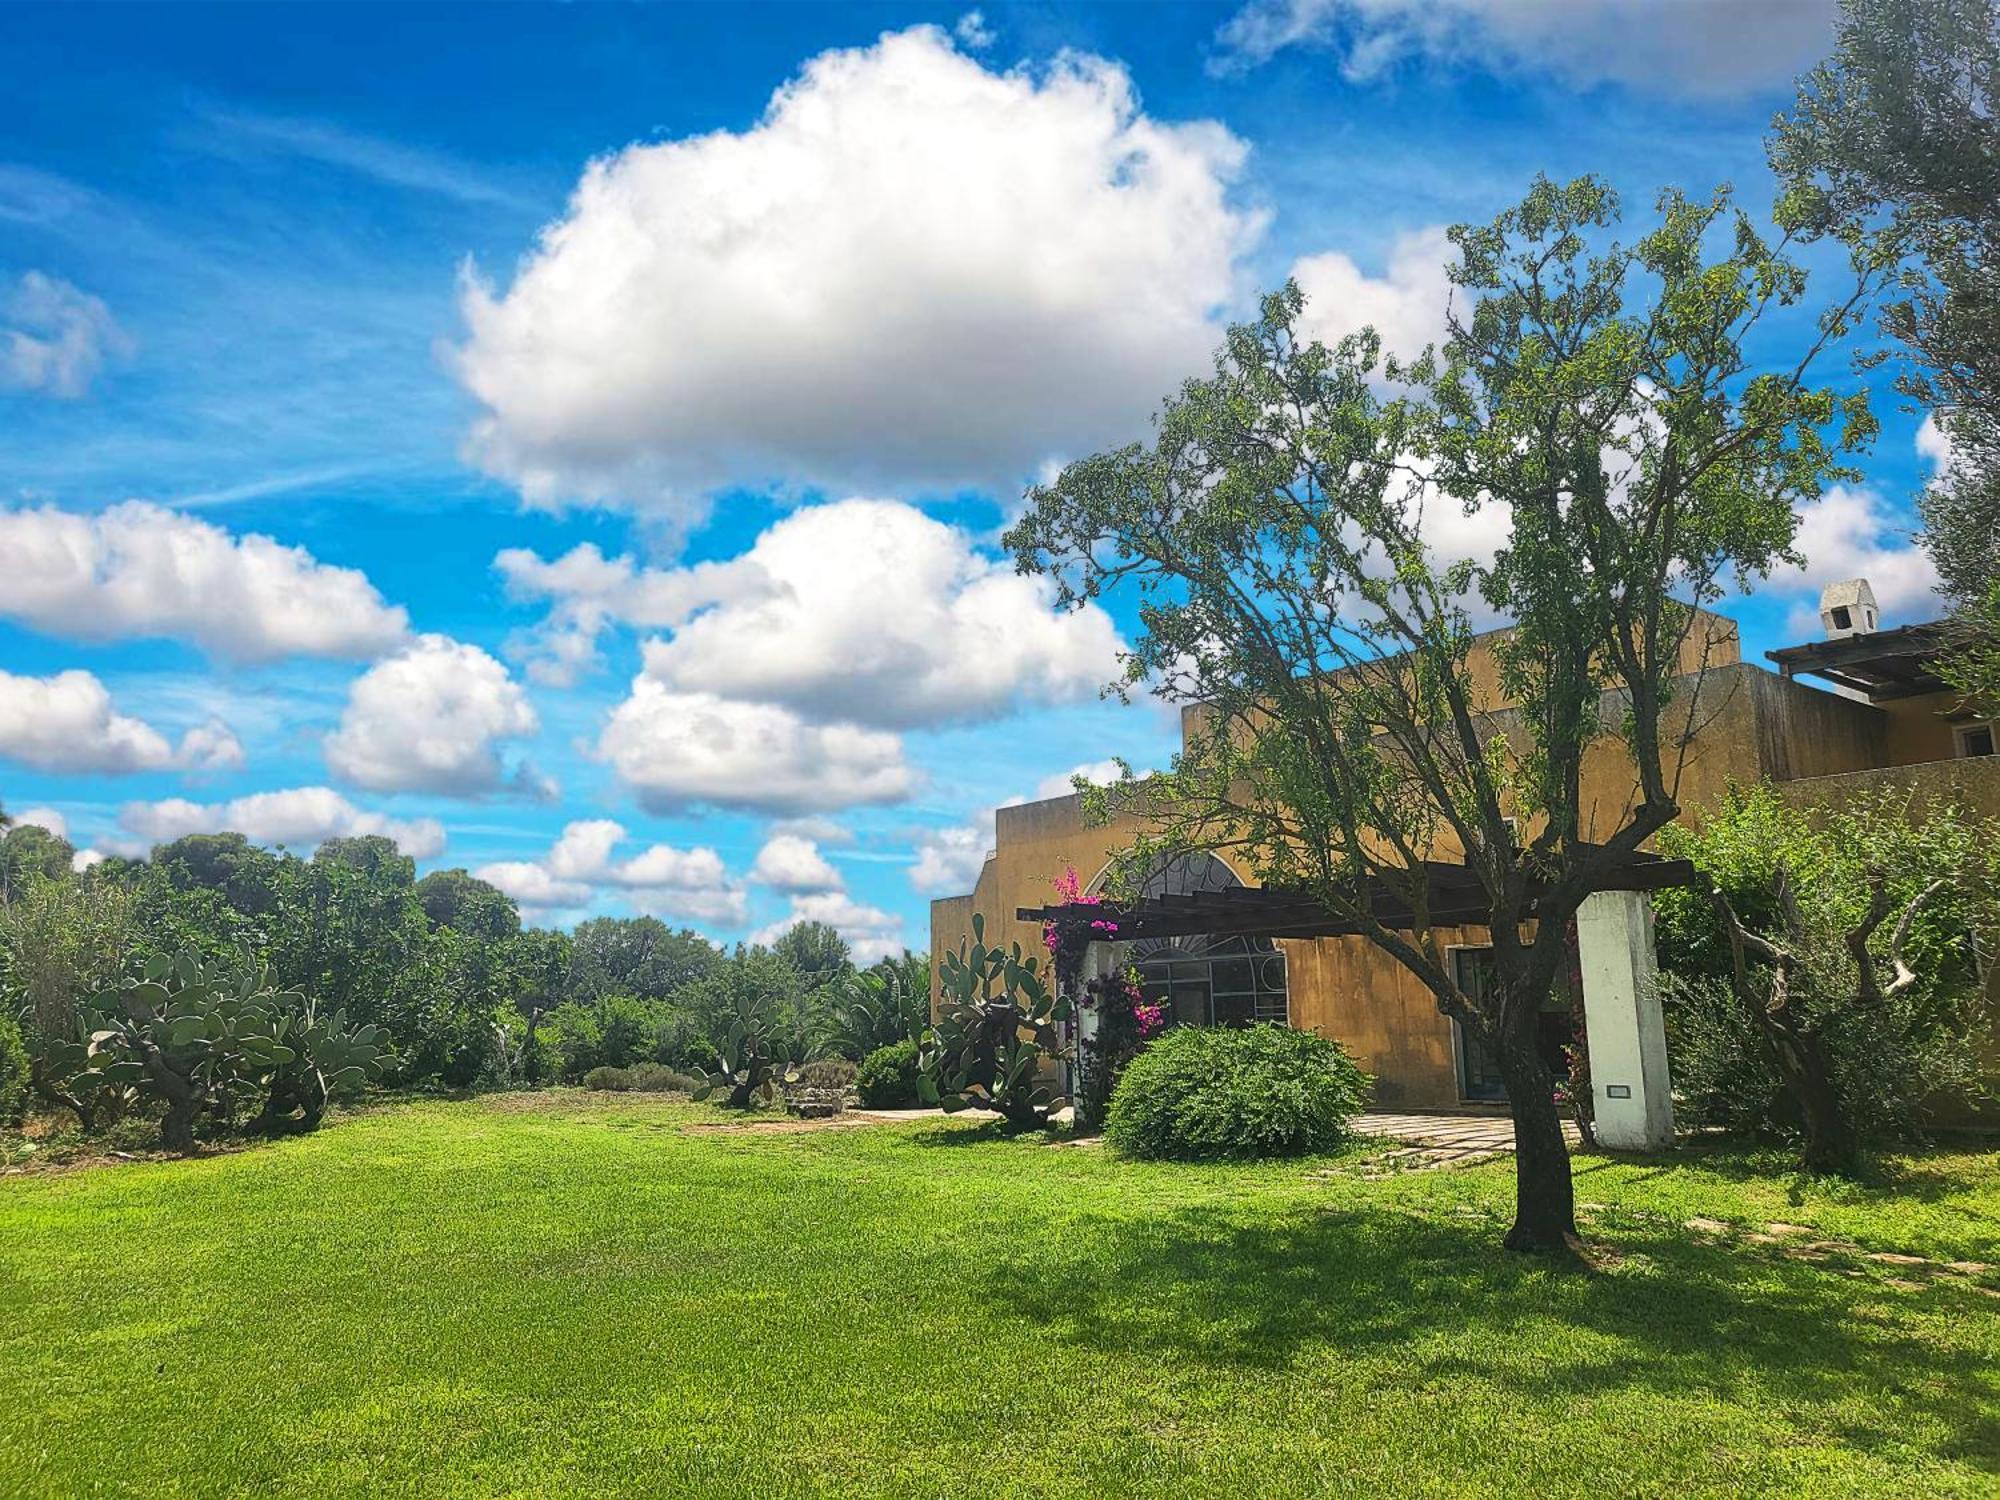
[{"x": 572, "y": 1295}]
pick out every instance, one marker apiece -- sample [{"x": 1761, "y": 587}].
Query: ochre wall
[{"x": 1351, "y": 991}]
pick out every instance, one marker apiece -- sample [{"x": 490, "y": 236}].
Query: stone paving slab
[{"x": 1449, "y": 1132}]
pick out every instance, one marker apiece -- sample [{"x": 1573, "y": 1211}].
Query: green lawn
[{"x": 585, "y": 1296}]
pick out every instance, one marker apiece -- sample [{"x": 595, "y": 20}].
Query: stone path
[{"x": 1468, "y": 1133}]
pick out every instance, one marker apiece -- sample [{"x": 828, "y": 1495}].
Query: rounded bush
[
  {"x": 1203, "y": 1092},
  {"x": 657, "y": 1078},
  {"x": 888, "y": 1076},
  {"x": 616, "y": 1080}
]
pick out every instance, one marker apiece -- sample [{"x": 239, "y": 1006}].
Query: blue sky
[{"x": 372, "y": 460}]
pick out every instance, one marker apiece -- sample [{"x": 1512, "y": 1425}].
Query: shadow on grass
[
  {"x": 1882, "y": 1179},
  {"x": 979, "y": 1130},
  {"x": 1202, "y": 1286}
]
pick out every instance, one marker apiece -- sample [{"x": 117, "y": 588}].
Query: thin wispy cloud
[{"x": 398, "y": 165}]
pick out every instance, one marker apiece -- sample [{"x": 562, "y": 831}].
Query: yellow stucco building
[{"x": 1883, "y": 719}]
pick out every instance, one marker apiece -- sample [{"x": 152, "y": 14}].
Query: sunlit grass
[{"x": 583, "y": 1296}]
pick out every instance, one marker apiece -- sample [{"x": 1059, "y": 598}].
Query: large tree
[
  {"x": 1893, "y": 147},
  {"x": 1595, "y": 411}
]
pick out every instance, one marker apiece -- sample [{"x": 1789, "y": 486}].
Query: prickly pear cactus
[
  {"x": 755, "y": 1057},
  {"x": 332, "y": 1057},
  {"x": 202, "y": 1040},
  {"x": 999, "y": 1028}
]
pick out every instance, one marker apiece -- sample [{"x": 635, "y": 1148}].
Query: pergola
[
  {"x": 1624, "y": 1029},
  {"x": 1453, "y": 898},
  {"x": 1881, "y": 664}
]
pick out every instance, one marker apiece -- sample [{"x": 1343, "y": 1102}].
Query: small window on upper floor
[
  {"x": 1842, "y": 620},
  {"x": 1977, "y": 739}
]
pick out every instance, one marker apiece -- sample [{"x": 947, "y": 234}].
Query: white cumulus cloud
[
  {"x": 67, "y": 723},
  {"x": 659, "y": 880},
  {"x": 141, "y": 570},
  {"x": 1704, "y": 48},
  {"x": 55, "y": 339},
  {"x": 790, "y": 862},
  {"x": 862, "y": 610},
  {"x": 588, "y": 591},
  {"x": 913, "y": 272},
  {"x": 431, "y": 720},
  {"x": 1854, "y": 533},
  {"x": 678, "y": 750},
  {"x": 1406, "y": 305},
  {"x": 300, "y": 818}
]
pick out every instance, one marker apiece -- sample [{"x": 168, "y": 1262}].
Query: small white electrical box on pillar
[{"x": 1631, "y": 1092}]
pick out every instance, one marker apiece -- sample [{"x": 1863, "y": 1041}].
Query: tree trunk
[
  {"x": 184, "y": 1100},
  {"x": 1544, "y": 1197},
  {"x": 1830, "y": 1142}
]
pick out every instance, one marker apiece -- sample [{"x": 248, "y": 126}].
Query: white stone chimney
[{"x": 1847, "y": 609}]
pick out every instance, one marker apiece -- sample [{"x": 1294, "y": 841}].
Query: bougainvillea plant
[{"x": 1069, "y": 939}]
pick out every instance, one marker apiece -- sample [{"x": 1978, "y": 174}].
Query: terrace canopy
[
  {"x": 1882, "y": 664},
  {"x": 1452, "y": 894}
]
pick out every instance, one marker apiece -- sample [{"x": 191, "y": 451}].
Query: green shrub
[
  {"x": 828, "y": 1073},
  {"x": 202, "y": 1041},
  {"x": 1887, "y": 1058},
  {"x": 13, "y": 1072},
  {"x": 888, "y": 1078},
  {"x": 615, "y": 1080},
  {"x": 658, "y": 1078},
  {"x": 1219, "y": 1091}
]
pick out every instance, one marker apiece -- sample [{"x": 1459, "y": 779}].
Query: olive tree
[
  {"x": 1893, "y": 146},
  {"x": 1594, "y": 410}
]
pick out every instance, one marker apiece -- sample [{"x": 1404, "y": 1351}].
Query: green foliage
[
  {"x": 999, "y": 1031},
  {"x": 890, "y": 1002},
  {"x": 692, "y": 1053},
  {"x": 574, "y": 1039},
  {"x": 458, "y": 900},
  {"x": 637, "y": 956},
  {"x": 642, "y": 1078},
  {"x": 817, "y": 951},
  {"x": 63, "y": 939},
  {"x": 888, "y": 1076},
  {"x": 625, "y": 1030},
  {"x": 28, "y": 853},
  {"x": 1201, "y": 1092},
  {"x": 13, "y": 1071},
  {"x": 332, "y": 1059},
  {"x": 197, "y": 1041},
  {"x": 1887, "y": 1056}
]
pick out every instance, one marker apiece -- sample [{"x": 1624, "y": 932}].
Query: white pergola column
[
  {"x": 1623, "y": 1029},
  {"x": 1099, "y": 959}
]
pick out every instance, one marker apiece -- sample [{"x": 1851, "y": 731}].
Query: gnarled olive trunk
[
  {"x": 1831, "y": 1143},
  {"x": 1544, "y": 1197}
]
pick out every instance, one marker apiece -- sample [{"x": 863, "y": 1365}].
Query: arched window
[{"x": 1230, "y": 981}]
